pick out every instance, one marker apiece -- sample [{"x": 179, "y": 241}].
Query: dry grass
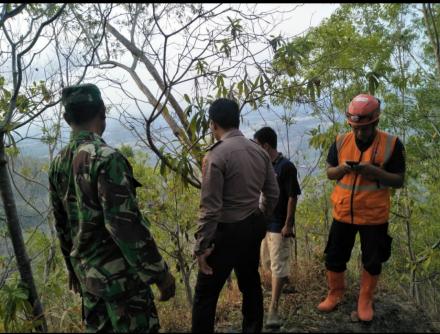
[
  {"x": 175, "y": 314},
  {"x": 64, "y": 314},
  {"x": 228, "y": 313},
  {"x": 307, "y": 276}
]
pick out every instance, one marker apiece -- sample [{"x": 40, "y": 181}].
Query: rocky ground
[{"x": 392, "y": 315}]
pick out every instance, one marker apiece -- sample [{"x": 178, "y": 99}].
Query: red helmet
[{"x": 364, "y": 109}]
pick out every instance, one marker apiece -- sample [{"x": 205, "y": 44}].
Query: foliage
[
  {"x": 14, "y": 303},
  {"x": 62, "y": 307},
  {"x": 171, "y": 207}
]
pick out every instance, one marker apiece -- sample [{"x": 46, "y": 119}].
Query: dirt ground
[
  {"x": 298, "y": 310},
  {"x": 391, "y": 316}
]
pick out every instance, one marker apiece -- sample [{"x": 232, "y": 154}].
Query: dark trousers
[
  {"x": 237, "y": 246},
  {"x": 375, "y": 246}
]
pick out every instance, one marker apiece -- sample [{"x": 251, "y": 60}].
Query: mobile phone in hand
[{"x": 353, "y": 164}]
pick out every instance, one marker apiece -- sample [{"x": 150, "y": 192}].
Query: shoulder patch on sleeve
[
  {"x": 106, "y": 151},
  {"x": 204, "y": 162},
  {"x": 252, "y": 140},
  {"x": 211, "y": 147}
]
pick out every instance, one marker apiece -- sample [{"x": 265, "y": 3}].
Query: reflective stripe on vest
[
  {"x": 369, "y": 187},
  {"x": 390, "y": 142},
  {"x": 356, "y": 199}
]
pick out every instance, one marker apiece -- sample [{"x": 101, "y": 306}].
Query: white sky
[
  {"x": 295, "y": 23},
  {"x": 304, "y": 16}
]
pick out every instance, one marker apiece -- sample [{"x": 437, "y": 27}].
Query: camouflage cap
[{"x": 80, "y": 94}]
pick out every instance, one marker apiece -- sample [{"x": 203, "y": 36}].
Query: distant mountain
[
  {"x": 116, "y": 134},
  {"x": 35, "y": 153}
]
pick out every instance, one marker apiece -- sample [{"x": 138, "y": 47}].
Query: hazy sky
[
  {"x": 304, "y": 16},
  {"x": 293, "y": 24}
]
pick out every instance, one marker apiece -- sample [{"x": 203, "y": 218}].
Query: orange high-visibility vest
[{"x": 357, "y": 200}]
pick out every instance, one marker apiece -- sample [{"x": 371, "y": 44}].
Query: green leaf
[
  {"x": 261, "y": 84},
  {"x": 163, "y": 168},
  {"x": 427, "y": 262},
  {"x": 246, "y": 90},
  {"x": 240, "y": 88},
  {"x": 193, "y": 127}
]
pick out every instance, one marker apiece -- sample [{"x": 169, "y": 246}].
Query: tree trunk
[
  {"x": 184, "y": 272},
  {"x": 13, "y": 223},
  {"x": 433, "y": 34},
  {"x": 186, "y": 280},
  {"x": 50, "y": 261}
]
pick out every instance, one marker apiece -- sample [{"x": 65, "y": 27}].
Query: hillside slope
[{"x": 393, "y": 313}]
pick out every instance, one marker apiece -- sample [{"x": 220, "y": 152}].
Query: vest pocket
[
  {"x": 341, "y": 206},
  {"x": 375, "y": 209}
]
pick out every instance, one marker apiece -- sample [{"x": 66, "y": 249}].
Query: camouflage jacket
[{"x": 103, "y": 236}]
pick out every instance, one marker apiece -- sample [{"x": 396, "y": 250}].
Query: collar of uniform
[
  {"x": 83, "y": 135},
  {"x": 278, "y": 158},
  {"x": 231, "y": 133}
]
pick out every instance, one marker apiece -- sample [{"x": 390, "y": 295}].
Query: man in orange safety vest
[{"x": 365, "y": 163}]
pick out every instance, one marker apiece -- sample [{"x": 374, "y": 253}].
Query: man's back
[
  {"x": 110, "y": 256},
  {"x": 287, "y": 177},
  {"x": 100, "y": 227},
  {"x": 245, "y": 171}
]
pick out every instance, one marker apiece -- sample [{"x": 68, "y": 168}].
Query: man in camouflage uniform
[{"x": 110, "y": 255}]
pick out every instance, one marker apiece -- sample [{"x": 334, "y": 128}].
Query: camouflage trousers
[{"x": 132, "y": 314}]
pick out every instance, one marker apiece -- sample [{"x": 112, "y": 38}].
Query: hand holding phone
[
  {"x": 354, "y": 165},
  {"x": 351, "y": 163}
]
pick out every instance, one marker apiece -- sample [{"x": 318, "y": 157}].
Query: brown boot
[
  {"x": 336, "y": 291},
  {"x": 365, "y": 302}
]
